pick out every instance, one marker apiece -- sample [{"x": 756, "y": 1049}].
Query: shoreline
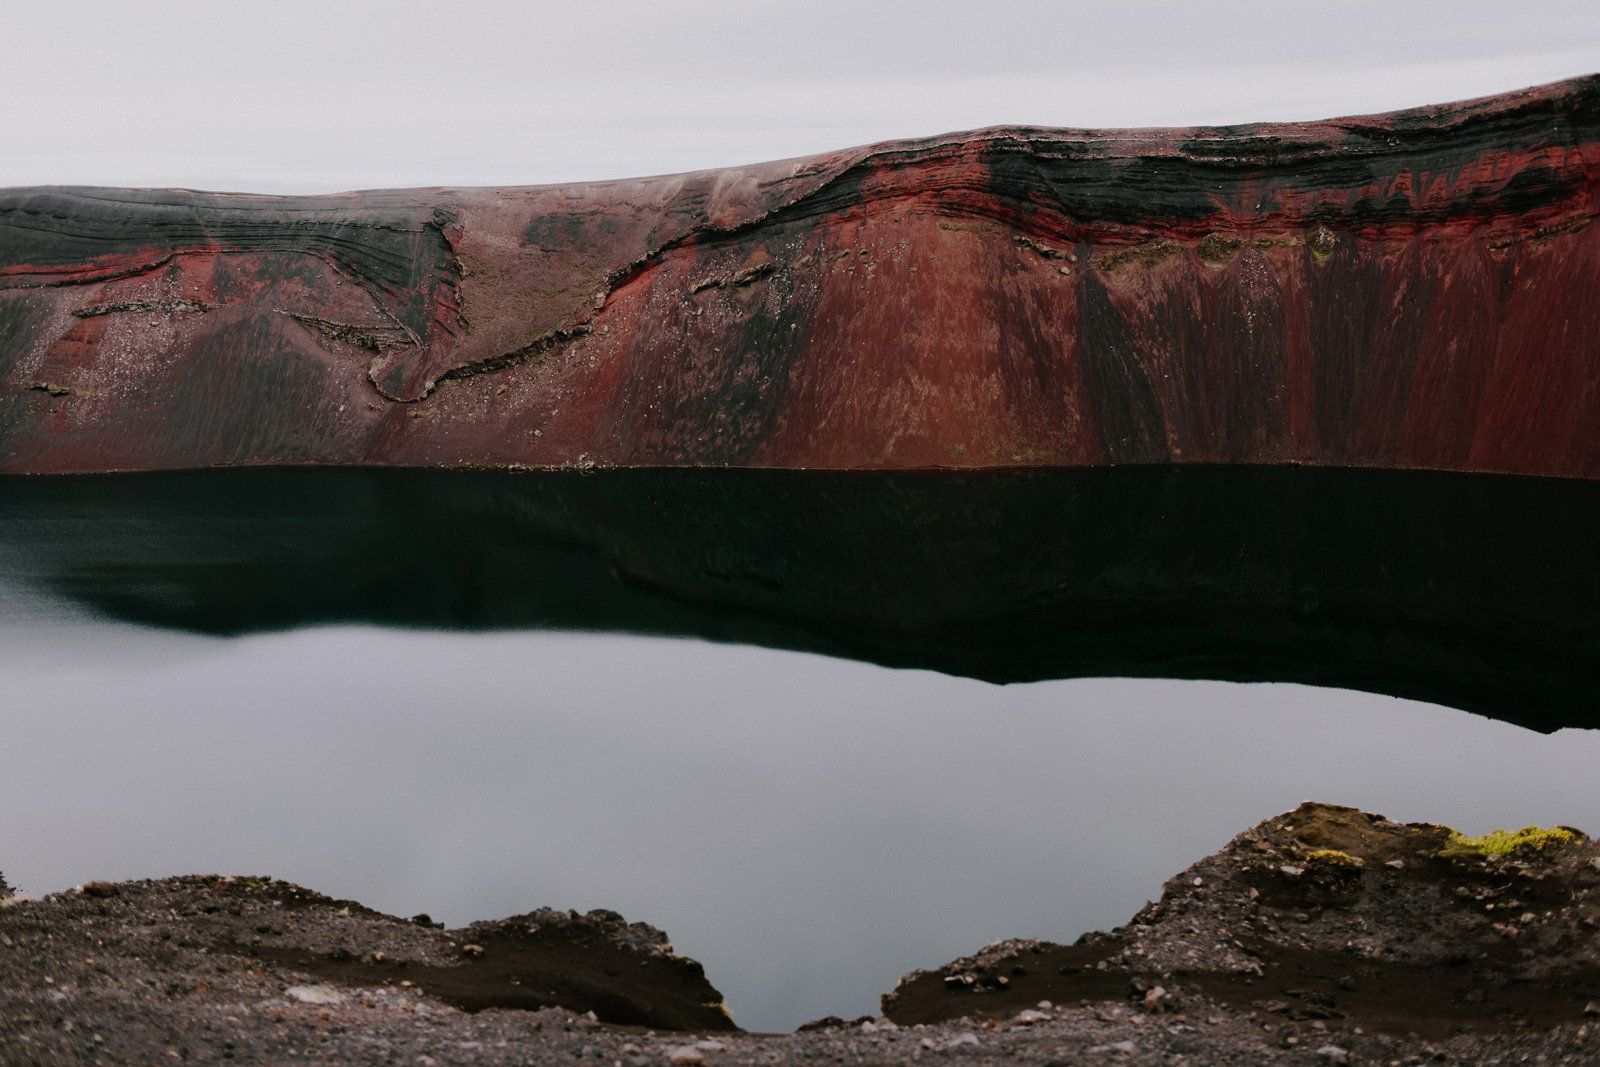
[{"x": 1322, "y": 929}]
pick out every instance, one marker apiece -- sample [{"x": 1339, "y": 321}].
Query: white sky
[
  {"x": 296, "y": 96},
  {"x": 807, "y": 828}
]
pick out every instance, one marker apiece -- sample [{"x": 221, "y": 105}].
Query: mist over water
[{"x": 808, "y": 828}]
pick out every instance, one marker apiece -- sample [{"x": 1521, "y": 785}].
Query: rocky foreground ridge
[{"x": 1325, "y": 935}]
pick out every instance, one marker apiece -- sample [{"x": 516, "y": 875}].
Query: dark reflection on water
[
  {"x": 809, "y": 828},
  {"x": 1473, "y": 591}
]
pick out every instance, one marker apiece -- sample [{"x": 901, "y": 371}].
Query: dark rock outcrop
[{"x": 1323, "y": 920}]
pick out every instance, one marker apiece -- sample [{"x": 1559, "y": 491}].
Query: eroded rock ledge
[{"x": 201, "y": 940}]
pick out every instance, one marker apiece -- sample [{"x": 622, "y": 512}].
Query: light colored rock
[
  {"x": 1028, "y": 1016},
  {"x": 968, "y": 1038},
  {"x": 314, "y": 994},
  {"x": 1333, "y": 1054},
  {"x": 687, "y": 1056}
]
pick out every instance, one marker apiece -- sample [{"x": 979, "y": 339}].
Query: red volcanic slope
[{"x": 1419, "y": 289}]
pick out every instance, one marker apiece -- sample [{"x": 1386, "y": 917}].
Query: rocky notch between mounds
[{"x": 1324, "y": 936}]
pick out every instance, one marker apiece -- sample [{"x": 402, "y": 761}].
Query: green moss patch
[{"x": 1502, "y": 842}]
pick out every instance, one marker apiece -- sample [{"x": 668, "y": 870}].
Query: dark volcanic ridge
[
  {"x": 1326, "y": 935},
  {"x": 1330, "y": 916}
]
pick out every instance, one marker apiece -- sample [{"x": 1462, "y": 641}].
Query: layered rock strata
[{"x": 1405, "y": 290}]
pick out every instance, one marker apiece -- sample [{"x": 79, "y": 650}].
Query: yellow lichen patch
[
  {"x": 1218, "y": 247},
  {"x": 1502, "y": 842},
  {"x": 1151, "y": 253},
  {"x": 1332, "y": 857}
]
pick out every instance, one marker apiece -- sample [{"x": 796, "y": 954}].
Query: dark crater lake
[
  {"x": 1474, "y": 591},
  {"x": 368, "y": 682}
]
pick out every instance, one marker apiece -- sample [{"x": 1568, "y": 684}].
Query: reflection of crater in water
[{"x": 1469, "y": 590}]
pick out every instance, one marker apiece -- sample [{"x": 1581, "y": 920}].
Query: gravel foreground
[{"x": 1322, "y": 936}]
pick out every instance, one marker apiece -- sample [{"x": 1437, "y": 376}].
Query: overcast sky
[
  {"x": 810, "y": 829},
  {"x": 317, "y": 95}
]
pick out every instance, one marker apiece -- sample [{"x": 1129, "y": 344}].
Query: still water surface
[{"x": 809, "y": 828}]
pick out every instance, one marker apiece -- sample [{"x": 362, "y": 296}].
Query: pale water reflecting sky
[{"x": 808, "y": 828}]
